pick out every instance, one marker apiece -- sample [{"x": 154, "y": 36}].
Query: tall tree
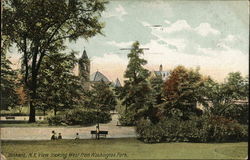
[
  {"x": 156, "y": 83},
  {"x": 102, "y": 97},
  {"x": 137, "y": 92},
  {"x": 58, "y": 87},
  {"x": 181, "y": 92},
  {"x": 40, "y": 27},
  {"x": 9, "y": 96},
  {"x": 230, "y": 99}
]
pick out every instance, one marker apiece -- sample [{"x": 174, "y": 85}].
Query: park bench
[
  {"x": 10, "y": 117},
  {"x": 101, "y": 133}
]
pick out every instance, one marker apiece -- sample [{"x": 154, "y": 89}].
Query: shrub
[
  {"x": 221, "y": 129},
  {"x": 127, "y": 119},
  {"x": 197, "y": 129},
  {"x": 81, "y": 117},
  {"x": 56, "y": 120},
  {"x": 149, "y": 132}
]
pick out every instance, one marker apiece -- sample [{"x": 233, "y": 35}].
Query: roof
[
  {"x": 98, "y": 76},
  {"x": 84, "y": 55},
  {"x": 162, "y": 73},
  {"x": 117, "y": 83}
]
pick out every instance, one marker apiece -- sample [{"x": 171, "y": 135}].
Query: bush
[
  {"x": 80, "y": 117},
  {"x": 149, "y": 132},
  {"x": 198, "y": 129},
  {"x": 56, "y": 120},
  {"x": 220, "y": 129},
  {"x": 127, "y": 119}
]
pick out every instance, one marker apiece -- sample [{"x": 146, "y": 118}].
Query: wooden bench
[
  {"x": 10, "y": 117},
  {"x": 101, "y": 133}
]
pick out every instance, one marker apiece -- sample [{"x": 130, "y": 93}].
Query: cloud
[
  {"x": 118, "y": 12},
  {"x": 120, "y": 44},
  {"x": 179, "y": 25},
  {"x": 218, "y": 63},
  {"x": 167, "y": 22},
  {"x": 205, "y": 29}
]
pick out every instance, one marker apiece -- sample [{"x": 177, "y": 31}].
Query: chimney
[{"x": 160, "y": 69}]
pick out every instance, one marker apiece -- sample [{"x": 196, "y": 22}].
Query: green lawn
[{"x": 120, "y": 149}]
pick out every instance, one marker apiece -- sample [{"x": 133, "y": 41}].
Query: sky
[{"x": 211, "y": 35}]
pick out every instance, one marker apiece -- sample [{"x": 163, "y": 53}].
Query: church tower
[{"x": 84, "y": 67}]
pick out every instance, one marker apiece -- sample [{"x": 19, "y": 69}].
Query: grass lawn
[{"x": 119, "y": 149}]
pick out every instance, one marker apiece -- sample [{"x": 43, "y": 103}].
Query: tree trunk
[
  {"x": 44, "y": 112},
  {"x": 32, "y": 116},
  {"x": 33, "y": 87},
  {"x": 55, "y": 110}
]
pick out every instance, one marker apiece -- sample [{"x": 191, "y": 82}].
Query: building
[
  {"x": 84, "y": 73},
  {"x": 161, "y": 73},
  {"x": 98, "y": 76}
]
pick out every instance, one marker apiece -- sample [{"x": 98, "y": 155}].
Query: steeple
[
  {"x": 84, "y": 55},
  {"x": 84, "y": 67},
  {"x": 117, "y": 83},
  {"x": 160, "y": 69}
]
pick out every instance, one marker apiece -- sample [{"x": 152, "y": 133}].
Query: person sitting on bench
[
  {"x": 77, "y": 136},
  {"x": 53, "y": 137},
  {"x": 97, "y": 131},
  {"x": 59, "y": 136}
]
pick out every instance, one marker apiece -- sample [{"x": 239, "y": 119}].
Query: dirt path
[{"x": 43, "y": 133}]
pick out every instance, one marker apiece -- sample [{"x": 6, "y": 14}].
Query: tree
[
  {"x": 58, "y": 87},
  {"x": 40, "y": 27},
  {"x": 9, "y": 97},
  {"x": 23, "y": 99},
  {"x": 156, "y": 84},
  {"x": 102, "y": 97},
  {"x": 226, "y": 97},
  {"x": 181, "y": 93},
  {"x": 137, "y": 92}
]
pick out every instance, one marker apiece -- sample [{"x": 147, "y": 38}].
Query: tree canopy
[
  {"x": 9, "y": 97},
  {"x": 58, "y": 87},
  {"x": 137, "y": 92},
  {"x": 40, "y": 27},
  {"x": 181, "y": 92}
]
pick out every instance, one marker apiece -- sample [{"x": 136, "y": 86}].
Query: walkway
[{"x": 44, "y": 133}]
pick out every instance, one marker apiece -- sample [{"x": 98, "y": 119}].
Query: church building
[
  {"x": 163, "y": 74},
  {"x": 86, "y": 78}
]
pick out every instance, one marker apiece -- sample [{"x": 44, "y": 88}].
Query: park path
[{"x": 44, "y": 133}]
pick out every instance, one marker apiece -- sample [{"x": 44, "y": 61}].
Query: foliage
[
  {"x": 235, "y": 87},
  {"x": 149, "y": 132},
  {"x": 136, "y": 93},
  {"x": 220, "y": 129},
  {"x": 80, "y": 117},
  {"x": 228, "y": 99},
  {"x": 58, "y": 87},
  {"x": 40, "y": 27},
  {"x": 127, "y": 118},
  {"x": 56, "y": 120},
  {"x": 157, "y": 86},
  {"x": 197, "y": 129},
  {"x": 9, "y": 97},
  {"x": 102, "y": 97},
  {"x": 181, "y": 93}
]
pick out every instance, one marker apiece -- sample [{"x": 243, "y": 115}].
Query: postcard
[{"x": 123, "y": 79}]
